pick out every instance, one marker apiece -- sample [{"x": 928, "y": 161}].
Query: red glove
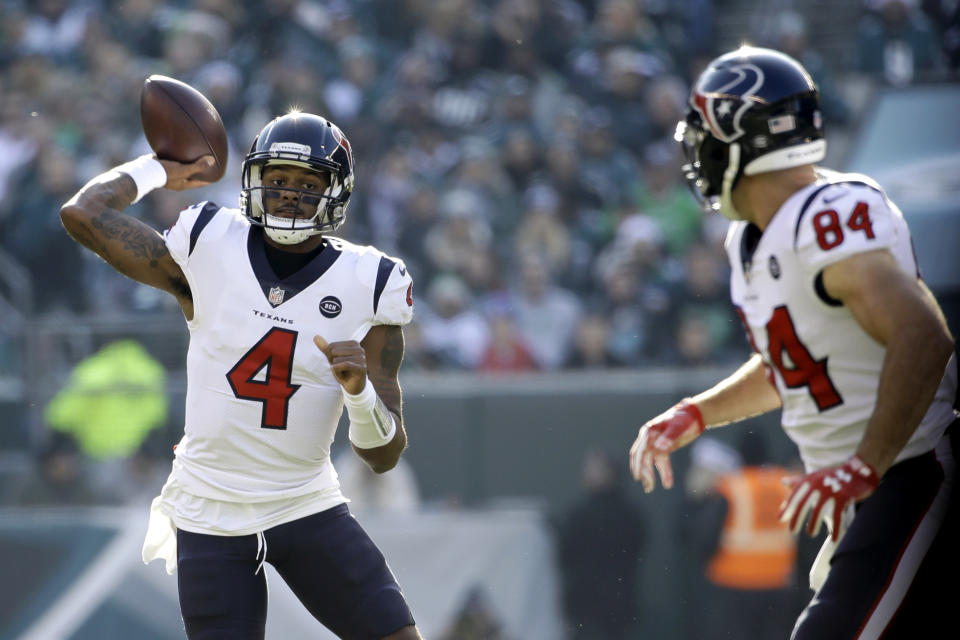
[
  {"x": 827, "y": 492},
  {"x": 669, "y": 431}
]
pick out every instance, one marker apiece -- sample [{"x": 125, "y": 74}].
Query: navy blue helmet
[{"x": 752, "y": 110}]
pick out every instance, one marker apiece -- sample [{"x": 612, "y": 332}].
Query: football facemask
[{"x": 316, "y": 213}]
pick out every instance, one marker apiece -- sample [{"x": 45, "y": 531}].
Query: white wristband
[
  {"x": 371, "y": 423},
  {"x": 147, "y": 173}
]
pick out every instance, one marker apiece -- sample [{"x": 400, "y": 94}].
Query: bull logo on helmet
[{"x": 726, "y": 97}]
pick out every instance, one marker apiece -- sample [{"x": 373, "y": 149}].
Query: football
[{"x": 181, "y": 124}]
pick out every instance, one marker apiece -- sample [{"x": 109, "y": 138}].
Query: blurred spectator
[
  {"x": 609, "y": 167},
  {"x": 699, "y": 523},
  {"x": 746, "y": 554},
  {"x": 480, "y": 172},
  {"x": 562, "y": 170},
  {"x": 461, "y": 242},
  {"x": 600, "y": 541},
  {"x": 636, "y": 293},
  {"x": 507, "y": 351},
  {"x": 421, "y": 211},
  {"x": 591, "y": 348},
  {"x": 790, "y": 36},
  {"x": 32, "y": 233},
  {"x": 351, "y": 93},
  {"x": 663, "y": 198},
  {"x": 629, "y": 328},
  {"x": 541, "y": 229},
  {"x": 392, "y": 185},
  {"x": 59, "y": 478},
  {"x": 895, "y": 41},
  {"x": 621, "y": 23},
  {"x": 139, "y": 24},
  {"x": 455, "y": 334},
  {"x": 546, "y": 314},
  {"x": 945, "y": 15},
  {"x": 624, "y": 79},
  {"x": 707, "y": 329},
  {"x": 666, "y": 104},
  {"x": 694, "y": 346},
  {"x": 18, "y": 139},
  {"x": 193, "y": 38},
  {"x": 113, "y": 399},
  {"x": 54, "y": 28},
  {"x": 521, "y": 153}
]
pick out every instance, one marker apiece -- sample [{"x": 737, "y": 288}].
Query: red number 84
[{"x": 830, "y": 231}]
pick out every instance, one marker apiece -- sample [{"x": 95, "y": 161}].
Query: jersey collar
[{"x": 277, "y": 290}]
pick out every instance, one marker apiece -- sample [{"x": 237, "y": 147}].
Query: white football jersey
[
  {"x": 825, "y": 366},
  {"x": 262, "y": 403}
]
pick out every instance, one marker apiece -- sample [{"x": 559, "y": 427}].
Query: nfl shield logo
[{"x": 276, "y": 295}]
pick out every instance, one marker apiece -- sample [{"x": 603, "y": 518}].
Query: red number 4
[
  {"x": 830, "y": 231},
  {"x": 273, "y": 355},
  {"x": 805, "y": 372}
]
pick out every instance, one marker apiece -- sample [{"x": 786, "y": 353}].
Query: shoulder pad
[{"x": 182, "y": 236}]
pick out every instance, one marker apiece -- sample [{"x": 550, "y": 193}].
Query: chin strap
[{"x": 729, "y": 177}]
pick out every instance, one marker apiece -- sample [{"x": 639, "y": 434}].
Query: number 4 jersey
[
  {"x": 262, "y": 403},
  {"x": 825, "y": 366}
]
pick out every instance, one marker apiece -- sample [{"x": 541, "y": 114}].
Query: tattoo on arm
[
  {"x": 392, "y": 354},
  {"x": 136, "y": 240},
  {"x": 118, "y": 193},
  {"x": 384, "y": 375}
]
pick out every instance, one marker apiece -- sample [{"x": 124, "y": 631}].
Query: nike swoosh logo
[
  {"x": 839, "y": 195},
  {"x": 402, "y": 271}
]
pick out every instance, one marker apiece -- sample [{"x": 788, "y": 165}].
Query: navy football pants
[{"x": 326, "y": 559}]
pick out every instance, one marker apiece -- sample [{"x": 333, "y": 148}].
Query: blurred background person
[
  {"x": 896, "y": 42},
  {"x": 600, "y": 542},
  {"x": 744, "y": 557}
]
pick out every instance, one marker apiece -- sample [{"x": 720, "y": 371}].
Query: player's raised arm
[{"x": 93, "y": 217}]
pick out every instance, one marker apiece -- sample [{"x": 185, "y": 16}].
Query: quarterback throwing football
[
  {"x": 849, "y": 343},
  {"x": 287, "y": 326}
]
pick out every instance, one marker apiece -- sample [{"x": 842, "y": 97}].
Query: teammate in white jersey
[
  {"x": 849, "y": 343},
  {"x": 287, "y": 326}
]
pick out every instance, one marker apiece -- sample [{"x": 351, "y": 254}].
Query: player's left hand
[
  {"x": 672, "y": 429},
  {"x": 348, "y": 360},
  {"x": 827, "y": 492}
]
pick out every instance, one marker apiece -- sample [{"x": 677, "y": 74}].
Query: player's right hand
[
  {"x": 178, "y": 173},
  {"x": 676, "y": 427}
]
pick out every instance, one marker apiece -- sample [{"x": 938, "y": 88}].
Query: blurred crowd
[{"x": 517, "y": 154}]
